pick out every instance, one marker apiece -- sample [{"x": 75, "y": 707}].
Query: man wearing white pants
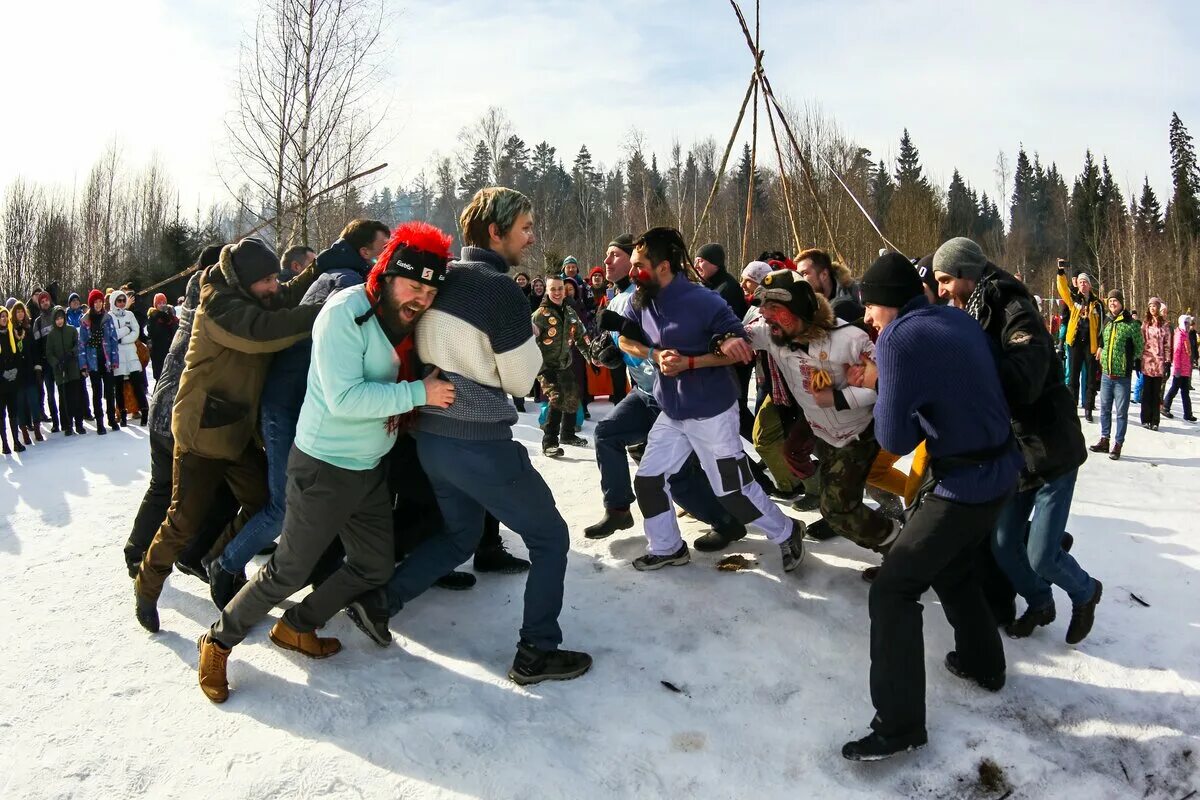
[{"x": 693, "y": 337}]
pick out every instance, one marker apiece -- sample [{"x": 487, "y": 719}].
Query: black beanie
[
  {"x": 713, "y": 253},
  {"x": 925, "y": 272},
  {"x": 891, "y": 281},
  {"x": 209, "y": 256},
  {"x": 623, "y": 242},
  {"x": 253, "y": 261},
  {"x": 785, "y": 286}
]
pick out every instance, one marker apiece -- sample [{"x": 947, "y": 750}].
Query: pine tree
[
  {"x": 908, "y": 166},
  {"x": 514, "y": 164},
  {"x": 962, "y": 211},
  {"x": 1022, "y": 218},
  {"x": 1086, "y": 222},
  {"x": 882, "y": 188},
  {"x": 479, "y": 172},
  {"x": 1184, "y": 207},
  {"x": 1148, "y": 213}
]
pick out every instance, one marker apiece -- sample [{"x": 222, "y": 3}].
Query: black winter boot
[
  {"x": 146, "y": 612},
  {"x": 1083, "y": 616},
  {"x": 874, "y": 747},
  {"x": 568, "y": 432},
  {"x": 993, "y": 683},
  {"x": 498, "y": 559},
  {"x": 550, "y": 446},
  {"x": 223, "y": 585},
  {"x": 1031, "y": 620},
  {"x": 369, "y": 613},
  {"x": 614, "y": 519},
  {"x": 533, "y": 665}
]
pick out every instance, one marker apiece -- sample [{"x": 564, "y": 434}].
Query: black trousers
[
  {"x": 1152, "y": 393},
  {"x": 1085, "y": 362},
  {"x": 70, "y": 404},
  {"x": 937, "y": 548},
  {"x": 103, "y": 388},
  {"x": 157, "y": 500}
]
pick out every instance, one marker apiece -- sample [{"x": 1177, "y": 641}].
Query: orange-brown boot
[
  {"x": 309, "y": 644},
  {"x": 213, "y": 658}
]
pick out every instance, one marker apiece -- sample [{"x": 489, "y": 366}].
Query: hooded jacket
[
  {"x": 62, "y": 351},
  {"x": 128, "y": 332},
  {"x": 339, "y": 267},
  {"x": 1181, "y": 353},
  {"x": 1043, "y": 413},
  {"x": 75, "y": 315},
  {"x": 216, "y": 408},
  {"x": 161, "y": 325}
]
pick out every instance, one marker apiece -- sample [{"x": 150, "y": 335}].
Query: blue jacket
[
  {"x": 340, "y": 267},
  {"x": 89, "y": 358},
  {"x": 685, "y": 317},
  {"x": 75, "y": 315},
  {"x": 938, "y": 382}
]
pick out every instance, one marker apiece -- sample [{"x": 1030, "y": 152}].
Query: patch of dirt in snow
[{"x": 771, "y": 669}]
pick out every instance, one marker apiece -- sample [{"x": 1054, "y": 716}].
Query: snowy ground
[{"x": 772, "y": 669}]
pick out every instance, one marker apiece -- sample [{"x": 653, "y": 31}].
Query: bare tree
[
  {"x": 302, "y": 116},
  {"x": 22, "y": 205}
]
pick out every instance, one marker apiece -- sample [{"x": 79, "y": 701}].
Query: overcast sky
[{"x": 966, "y": 79}]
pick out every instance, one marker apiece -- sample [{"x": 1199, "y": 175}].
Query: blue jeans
[
  {"x": 29, "y": 403},
  {"x": 1034, "y": 565},
  {"x": 469, "y": 478},
  {"x": 629, "y": 423},
  {"x": 1114, "y": 389},
  {"x": 279, "y": 432}
]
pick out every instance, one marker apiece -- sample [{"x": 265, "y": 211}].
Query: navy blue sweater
[
  {"x": 685, "y": 317},
  {"x": 938, "y": 382},
  {"x": 341, "y": 267}
]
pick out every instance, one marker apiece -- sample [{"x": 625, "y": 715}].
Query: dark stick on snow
[
  {"x": 1189, "y": 795},
  {"x": 1122, "y": 763},
  {"x": 672, "y": 687},
  {"x": 1143, "y": 604}
]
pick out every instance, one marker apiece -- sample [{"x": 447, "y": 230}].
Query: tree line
[{"x": 301, "y": 119}]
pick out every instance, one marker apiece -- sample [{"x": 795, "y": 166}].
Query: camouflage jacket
[{"x": 558, "y": 327}]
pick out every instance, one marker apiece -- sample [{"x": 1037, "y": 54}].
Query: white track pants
[{"x": 716, "y": 443}]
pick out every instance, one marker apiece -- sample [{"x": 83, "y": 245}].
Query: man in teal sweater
[{"x": 363, "y": 388}]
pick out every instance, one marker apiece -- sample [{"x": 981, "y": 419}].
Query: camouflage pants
[
  {"x": 560, "y": 388},
  {"x": 843, "y": 476}
]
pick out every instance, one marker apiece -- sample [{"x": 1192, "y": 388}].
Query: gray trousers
[{"x": 323, "y": 501}]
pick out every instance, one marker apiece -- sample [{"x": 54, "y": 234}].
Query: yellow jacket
[{"x": 1075, "y": 303}]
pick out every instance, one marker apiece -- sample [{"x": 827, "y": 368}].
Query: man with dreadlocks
[
  {"x": 362, "y": 389},
  {"x": 693, "y": 337},
  {"x": 812, "y": 350}
]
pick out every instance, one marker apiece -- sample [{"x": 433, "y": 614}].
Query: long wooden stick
[
  {"x": 267, "y": 222},
  {"x": 806, "y": 169},
  {"x": 753, "y": 146},
  {"x": 787, "y": 193},
  {"x": 724, "y": 160}
]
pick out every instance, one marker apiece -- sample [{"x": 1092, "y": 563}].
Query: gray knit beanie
[{"x": 961, "y": 258}]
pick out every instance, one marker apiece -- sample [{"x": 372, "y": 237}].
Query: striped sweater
[{"x": 478, "y": 333}]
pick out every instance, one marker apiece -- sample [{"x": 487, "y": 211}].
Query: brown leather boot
[
  {"x": 1100, "y": 446},
  {"x": 212, "y": 668},
  {"x": 37, "y": 432},
  {"x": 308, "y": 644},
  {"x": 25, "y": 435},
  {"x": 1116, "y": 453}
]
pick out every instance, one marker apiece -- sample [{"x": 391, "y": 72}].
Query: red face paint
[
  {"x": 640, "y": 275},
  {"x": 779, "y": 315}
]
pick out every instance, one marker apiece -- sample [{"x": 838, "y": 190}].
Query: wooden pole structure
[
  {"x": 724, "y": 160},
  {"x": 748, "y": 224},
  {"x": 267, "y": 222}
]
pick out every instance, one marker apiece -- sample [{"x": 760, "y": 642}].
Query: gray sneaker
[{"x": 651, "y": 562}]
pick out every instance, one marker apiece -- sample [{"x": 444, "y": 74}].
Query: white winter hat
[
  {"x": 1185, "y": 320},
  {"x": 756, "y": 271}
]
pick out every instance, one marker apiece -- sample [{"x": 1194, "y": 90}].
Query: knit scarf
[
  {"x": 779, "y": 393},
  {"x": 975, "y": 301}
]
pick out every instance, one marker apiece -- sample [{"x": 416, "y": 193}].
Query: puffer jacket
[
  {"x": 98, "y": 347},
  {"x": 233, "y": 336},
  {"x": 62, "y": 352},
  {"x": 74, "y": 315},
  {"x": 1156, "y": 349},
  {"x": 128, "y": 333},
  {"x": 1181, "y": 354},
  {"x": 167, "y": 384},
  {"x": 1120, "y": 346},
  {"x": 1043, "y": 414}
]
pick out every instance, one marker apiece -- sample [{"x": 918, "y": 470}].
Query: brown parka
[{"x": 233, "y": 336}]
